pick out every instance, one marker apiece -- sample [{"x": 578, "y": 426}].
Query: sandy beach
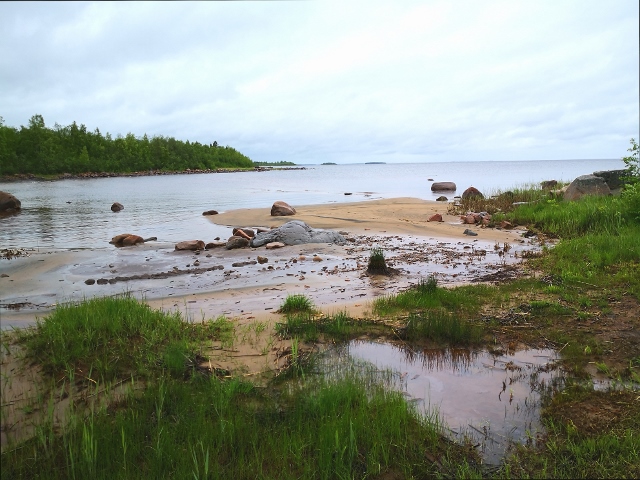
[{"x": 207, "y": 284}]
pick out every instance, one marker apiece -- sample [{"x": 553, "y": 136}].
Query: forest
[{"x": 72, "y": 149}]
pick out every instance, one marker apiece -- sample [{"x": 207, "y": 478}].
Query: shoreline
[
  {"x": 23, "y": 177},
  {"x": 230, "y": 282}
]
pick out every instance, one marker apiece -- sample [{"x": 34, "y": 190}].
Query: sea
[{"x": 76, "y": 213}]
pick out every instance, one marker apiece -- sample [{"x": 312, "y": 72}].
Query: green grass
[
  {"x": 114, "y": 336},
  {"x": 338, "y": 326},
  {"x": 377, "y": 263},
  {"x": 297, "y": 303},
  {"x": 207, "y": 428}
]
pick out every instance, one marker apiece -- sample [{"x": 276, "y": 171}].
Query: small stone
[
  {"x": 272, "y": 245},
  {"x": 262, "y": 260},
  {"x": 317, "y": 258},
  {"x": 89, "y": 281}
]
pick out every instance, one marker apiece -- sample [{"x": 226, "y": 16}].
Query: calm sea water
[{"x": 76, "y": 213}]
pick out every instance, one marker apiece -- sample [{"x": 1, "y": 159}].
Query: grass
[
  {"x": 297, "y": 303},
  {"x": 338, "y": 326},
  {"x": 203, "y": 427},
  {"x": 104, "y": 338},
  {"x": 377, "y": 263}
]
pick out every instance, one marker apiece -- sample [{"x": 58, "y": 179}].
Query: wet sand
[{"x": 206, "y": 284}]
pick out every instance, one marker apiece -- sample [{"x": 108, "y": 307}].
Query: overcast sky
[{"x": 346, "y": 81}]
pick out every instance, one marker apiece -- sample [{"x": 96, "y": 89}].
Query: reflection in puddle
[{"x": 492, "y": 399}]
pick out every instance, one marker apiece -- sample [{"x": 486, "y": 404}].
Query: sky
[{"x": 346, "y": 81}]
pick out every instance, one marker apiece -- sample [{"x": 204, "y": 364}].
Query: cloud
[{"x": 334, "y": 81}]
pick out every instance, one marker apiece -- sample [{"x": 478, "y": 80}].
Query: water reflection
[{"x": 492, "y": 399}]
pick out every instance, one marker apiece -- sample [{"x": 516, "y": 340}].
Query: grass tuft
[{"x": 297, "y": 303}]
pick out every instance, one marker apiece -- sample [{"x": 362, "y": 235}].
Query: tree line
[{"x": 38, "y": 149}]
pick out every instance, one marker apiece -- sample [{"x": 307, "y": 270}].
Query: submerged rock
[
  {"x": 297, "y": 232},
  {"x": 443, "y": 187},
  {"x": 9, "y": 203},
  {"x": 116, "y": 207}
]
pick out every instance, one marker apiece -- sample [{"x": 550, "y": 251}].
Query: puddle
[{"x": 492, "y": 399}]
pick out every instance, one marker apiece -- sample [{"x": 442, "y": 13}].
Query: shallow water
[
  {"x": 76, "y": 213},
  {"x": 492, "y": 399}
]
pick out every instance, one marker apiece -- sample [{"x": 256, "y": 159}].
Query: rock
[
  {"x": 215, "y": 245},
  {"x": 548, "y": 184},
  {"x": 442, "y": 198},
  {"x": 297, "y": 232},
  {"x": 102, "y": 281},
  {"x": 89, "y": 281},
  {"x": 282, "y": 209},
  {"x": 117, "y": 240},
  {"x": 317, "y": 258},
  {"x": 236, "y": 242},
  {"x": 443, "y": 187},
  {"x": 151, "y": 239},
  {"x": 210, "y": 212},
  {"x": 190, "y": 245},
  {"x": 273, "y": 245},
  {"x": 9, "y": 203},
  {"x": 262, "y": 260},
  {"x": 348, "y": 193},
  {"x": 262, "y": 229},
  {"x": 429, "y": 179},
  {"x": 470, "y": 232},
  {"x": 116, "y": 207},
  {"x": 243, "y": 264},
  {"x": 435, "y": 218},
  {"x": 468, "y": 219},
  {"x": 586, "y": 185},
  {"x": 132, "y": 240},
  {"x": 472, "y": 192},
  {"x": 246, "y": 231},
  {"x": 613, "y": 178}
]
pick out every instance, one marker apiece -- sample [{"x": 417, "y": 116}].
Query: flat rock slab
[{"x": 297, "y": 232}]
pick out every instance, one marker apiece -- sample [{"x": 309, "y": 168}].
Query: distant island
[
  {"x": 375, "y": 163},
  {"x": 275, "y": 164},
  {"x": 41, "y": 150},
  {"x": 329, "y": 163}
]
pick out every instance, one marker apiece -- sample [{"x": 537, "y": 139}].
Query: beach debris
[
  {"x": 190, "y": 245},
  {"x": 443, "y": 187},
  {"x": 210, "y": 212},
  {"x": 297, "y": 232},
  {"x": 9, "y": 253},
  {"x": 116, "y": 207},
  {"x": 282, "y": 209}
]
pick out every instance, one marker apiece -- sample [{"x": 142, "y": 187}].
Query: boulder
[
  {"x": 442, "y": 198},
  {"x": 119, "y": 238},
  {"x": 244, "y": 231},
  {"x": 297, "y": 232},
  {"x": 282, "y": 209},
  {"x": 236, "y": 242},
  {"x": 435, "y": 218},
  {"x": 9, "y": 203},
  {"x": 215, "y": 244},
  {"x": 613, "y": 178},
  {"x": 586, "y": 185},
  {"x": 132, "y": 240},
  {"x": 472, "y": 192},
  {"x": 190, "y": 245},
  {"x": 210, "y": 212},
  {"x": 116, "y": 207},
  {"x": 443, "y": 187}
]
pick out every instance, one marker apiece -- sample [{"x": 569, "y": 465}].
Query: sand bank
[{"x": 336, "y": 279}]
